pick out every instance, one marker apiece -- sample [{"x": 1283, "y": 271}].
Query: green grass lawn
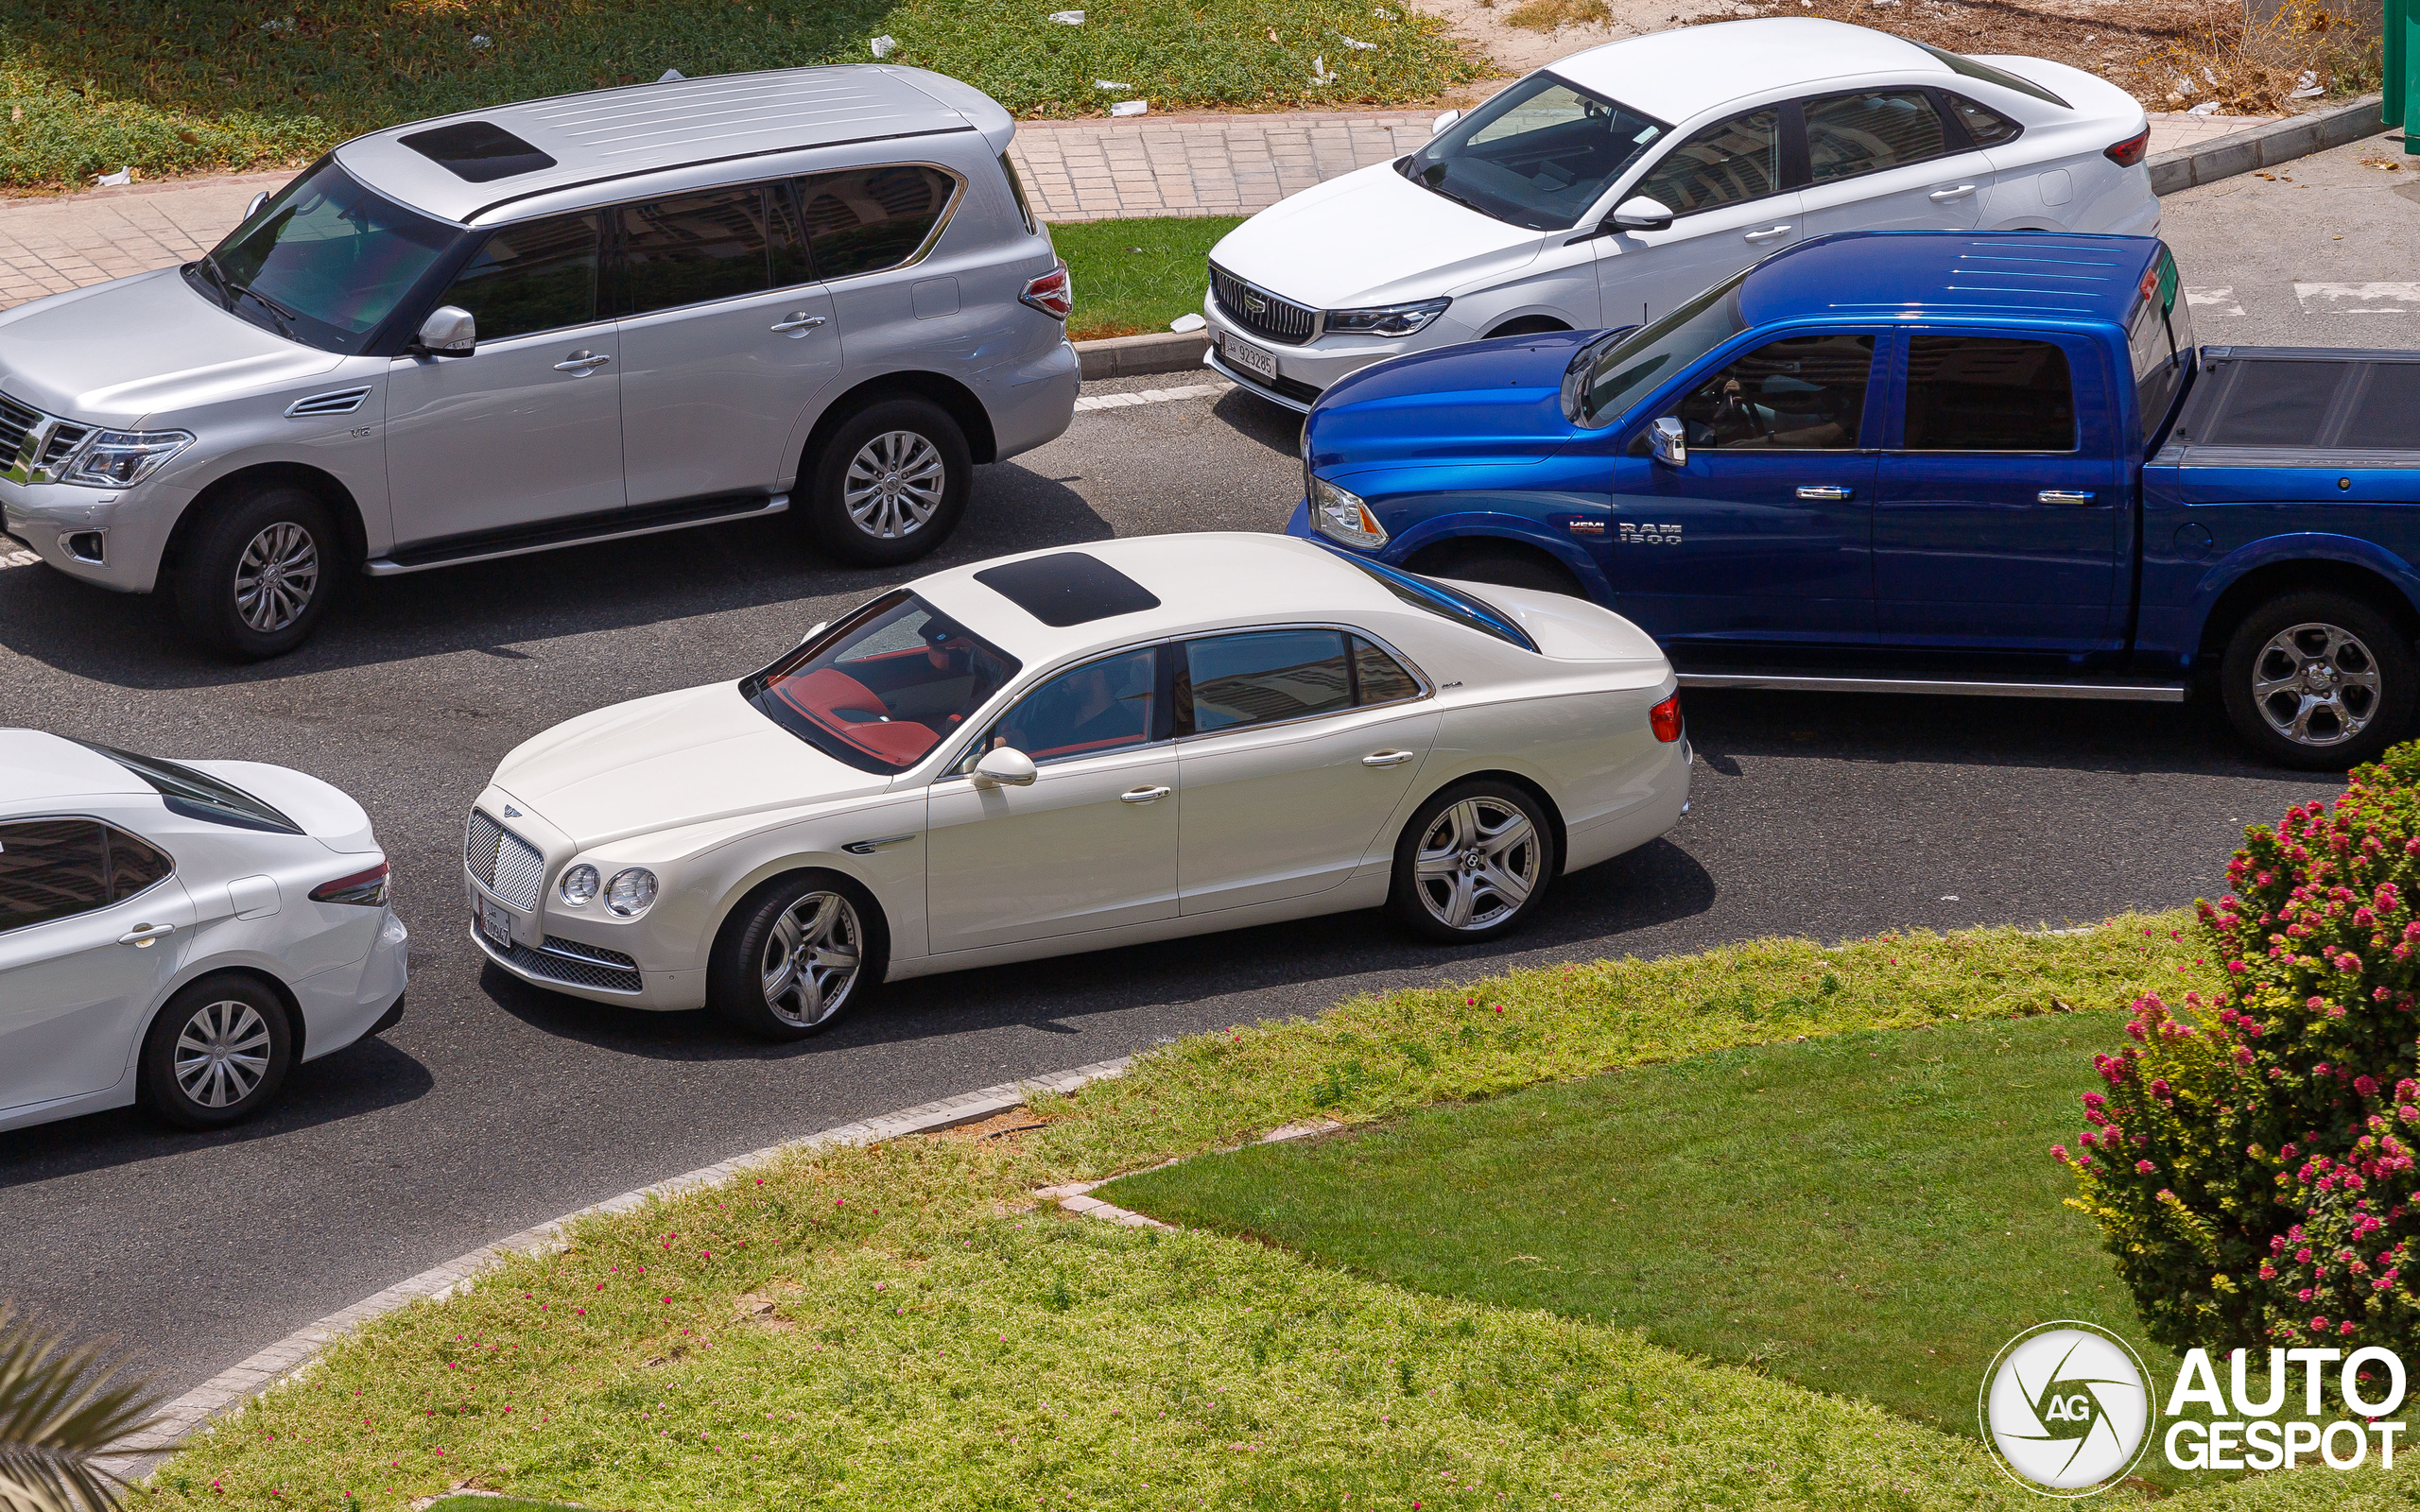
[
  {"x": 1133, "y": 276},
  {"x": 180, "y": 85}
]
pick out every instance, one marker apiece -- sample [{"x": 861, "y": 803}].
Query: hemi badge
[
  {"x": 1587, "y": 527},
  {"x": 867, "y": 848}
]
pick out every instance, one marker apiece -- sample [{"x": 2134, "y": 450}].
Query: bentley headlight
[
  {"x": 1386, "y": 320},
  {"x": 117, "y": 459},
  {"x": 579, "y": 884},
  {"x": 1343, "y": 518},
  {"x": 630, "y": 892}
]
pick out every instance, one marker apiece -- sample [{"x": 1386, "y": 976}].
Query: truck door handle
[
  {"x": 1765, "y": 236},
  {"x": 797, "y": 321},
  {"x": 1386, "y": 758},
  {"x": 1143, "y": 795},
  {"x": 141, "y": 935},
  {"x": 582, "y": 363},
  {"x": 1824, "y": 492},
  {"x": 1943, "y": 196},
  {"x": 2064, "y": 495}
]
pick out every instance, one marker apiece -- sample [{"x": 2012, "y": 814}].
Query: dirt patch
[
  {"x": 999, "y": 1128},
  {"x": 761, "y": 1308},
  {"x": 1548, "y": 29}
]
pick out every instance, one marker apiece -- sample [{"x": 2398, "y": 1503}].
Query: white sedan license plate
[
  {"x": 1250, "y": 358},
  {"x": 496, "y": 924}
]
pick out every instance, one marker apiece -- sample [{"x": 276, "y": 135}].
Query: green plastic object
[{"x": 2403, "y": 69}]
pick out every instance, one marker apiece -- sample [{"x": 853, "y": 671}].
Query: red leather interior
[{"x": 823, "y": 692}]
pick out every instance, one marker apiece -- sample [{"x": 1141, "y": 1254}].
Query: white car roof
[
  {"x": 37, "y": 768},
  {"x": 1679, "y": 74}
]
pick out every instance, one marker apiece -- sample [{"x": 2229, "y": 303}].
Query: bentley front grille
[{"x": 509, "y": 866}]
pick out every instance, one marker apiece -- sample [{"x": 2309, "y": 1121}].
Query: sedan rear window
[
  {"x": 1432, "y": 596},
  {"x": 198, "y": 795},
  {"x": 885, "y": 687},
  {"x": 1960, "y": 63},
  {"x": 1537, "y": 155}
]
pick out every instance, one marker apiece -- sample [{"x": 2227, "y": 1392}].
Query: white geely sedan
[
  {"x": 1069, "y": 751},
  {"x": 1609, "y": 187},
  {"x": 180, "y": 934}
]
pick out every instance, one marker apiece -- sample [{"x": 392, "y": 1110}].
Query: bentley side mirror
[
  {"x": 448, "y": 331},
  {"x": 1444, "y": 121},
  {"x": 255, "y": 208},
  {"x": 1639, "y": 212},
  {"x": 1667, "y": 442},
  {"x": 1004, "y": 768},
  {"x": 821, "y": 625}
]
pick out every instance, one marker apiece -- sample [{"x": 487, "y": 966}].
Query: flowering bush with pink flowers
[{"x": 2251, "y": 1162}]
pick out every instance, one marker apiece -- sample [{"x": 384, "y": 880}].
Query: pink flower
[
  {"x": 2366, "y": 1086},
  {"x": 2058, "y": 1152},
  {"x": 2144, "y": 1168}
]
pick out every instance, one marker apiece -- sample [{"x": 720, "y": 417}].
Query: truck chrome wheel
[
  {"x": 894, "y": 484},
  {"x": 1477, "y": 864},
  {"x": 276, "y": 576},
  {"x": 811, "y": 959},
  {"x": 2316, "y": 684},
  {"x": 222, "y": 1053}
]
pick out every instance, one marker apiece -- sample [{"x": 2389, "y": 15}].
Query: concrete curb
[
  {"x": 139, "y": 1456},
  {"x": 2265, "y": 146},
  {"x": 1133, "y": 356}
]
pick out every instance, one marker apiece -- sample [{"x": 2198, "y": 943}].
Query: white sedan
[
  {"x": 1611, "y": 186},
  {"x": 180, "y": 934},
  {"x": 1070, "y": 751}
]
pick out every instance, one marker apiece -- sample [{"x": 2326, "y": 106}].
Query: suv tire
[
  {"x": 216, "y": 1053},
  {"x": 1460, "y": 857},
  {"x": 258, "y": 572},
  {"x": 890, "y": 484},
  {"x": 815, "y": 919},
  {"x": 2319, "y": 680}
]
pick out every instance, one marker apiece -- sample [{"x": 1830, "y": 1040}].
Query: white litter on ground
[
  {"x": 1187, "y": 323},
  {"x": 881, "y": 46},
  {"x": 116, "y": 181},
  {"x": 1131, "y": 108},
  {"x": 1068, "y": 18},
  {"x": 1110, "y": 83},
  {"x": 671, "y": 75}
]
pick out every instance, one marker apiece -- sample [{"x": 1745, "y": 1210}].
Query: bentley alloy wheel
[
  {"x": 895, "y": 485},
  {"x": 811, "y": 958},
  {"x": 796, "y": 952},
  {"x": 1473, "y": 863}
]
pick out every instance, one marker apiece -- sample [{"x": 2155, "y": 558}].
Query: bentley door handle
[
  {"x": 2065, "y": 496},
  {"x": 1765, "y": 236},
  {"x": 797, "y": 321},
  {"x": 1386, "y": 758},
  {"x": 1824, "y": 492},
  {"x": 1143, "y": 795},
  {"x": 141, "y": 935},
  {"x": 1943, "y": 196},
  {"x": 582, "y": 363}
]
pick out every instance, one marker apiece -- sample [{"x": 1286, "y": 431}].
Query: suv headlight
[
  {"x": 116, "y": 459},
  {"x": 1342, "y": 516},
  {"x": 1386, "y": 321}
]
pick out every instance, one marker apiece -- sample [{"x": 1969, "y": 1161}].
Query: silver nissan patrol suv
[{"x": 554, "y": 323}]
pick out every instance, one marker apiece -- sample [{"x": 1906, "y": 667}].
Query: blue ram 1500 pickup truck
[{"x": 1927, "y": 462}]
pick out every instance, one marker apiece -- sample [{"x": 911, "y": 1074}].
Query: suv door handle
[
  {"x": 582, "y": 363},
  {"x": 797, "y": 321},
  {"x": 2065, "y": 496},
  {"x": 1386, "y": 758},
  {"x": 1143, "y": 795},
  {"x": 1943, "y": 196},
  {"x": 1826, "y": 492},
  {"x": 1765, "y": 236},
  {"x": 141, "y": 935}
]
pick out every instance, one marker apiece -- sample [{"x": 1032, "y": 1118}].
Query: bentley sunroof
[
  {"x": 1067, "y": 588},
  {"x": 478, "y": 151}
]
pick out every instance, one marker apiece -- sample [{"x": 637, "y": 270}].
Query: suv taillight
[
  {"x": 1665, "y": 720},
  {"x": 2128, "y": 152},
  {"x": 368, "y": 888},
  {"x": 1053, "y": 293}
]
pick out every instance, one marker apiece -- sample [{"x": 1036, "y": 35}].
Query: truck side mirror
[
  {"x": 1004, "y": 766},
  {"x": 1639, "y": 212},
  {"x": 1667, "y": 442},
  {"x": 448, "y": 331}
]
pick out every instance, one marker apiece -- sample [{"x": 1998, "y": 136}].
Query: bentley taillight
[{"x": 1665, "y": 720}]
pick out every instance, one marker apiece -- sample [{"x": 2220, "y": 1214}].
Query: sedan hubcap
[
  {"x": 894, "y": 484},
  {"x": 2316, "y": 684},
  {"x": 222, "y": 1053},
  {"x": 811, "y": 959},
  {"x": 1477, "y": 864},
  {"x": 276, "y": 576}
]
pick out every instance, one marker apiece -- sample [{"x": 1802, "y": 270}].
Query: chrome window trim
[{"x": 174, "y": 867}]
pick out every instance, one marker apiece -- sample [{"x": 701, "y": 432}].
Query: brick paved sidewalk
[{"x": 1074, "y": 170}]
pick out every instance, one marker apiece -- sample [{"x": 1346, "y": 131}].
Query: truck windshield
[
  {"x": 323, "y": 263},
  {"x": 1613, "y": 372},
  {"x": 894, "y": 680},
  {"x": 1537, "y": 155}
]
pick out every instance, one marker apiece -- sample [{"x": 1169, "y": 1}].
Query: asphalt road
[{"x": 493, "y": 1107}]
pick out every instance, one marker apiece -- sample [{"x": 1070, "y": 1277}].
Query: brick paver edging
[{"x": 137, "y": 1456}]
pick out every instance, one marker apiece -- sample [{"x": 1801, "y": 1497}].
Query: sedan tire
[
  {"x": 257, "y": 573},
  {"x": 795, "y": 953},
  {"x": 889, "y": 484},
  {"x": 1474, "y": 861},
  {"x": 216, "y": 1053},
  {"x": 2319, "y": 680}
]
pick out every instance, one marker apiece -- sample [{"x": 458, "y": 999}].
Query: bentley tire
[
  {"x": 795, "y": 953},
  {"x": 1473, "y": 862}
]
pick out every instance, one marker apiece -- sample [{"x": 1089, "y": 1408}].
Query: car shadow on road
[
  {"x": 1655, "y": 885},
  {"x": 362, "y": 1078},
  {"x": 1255, "y": 418}
]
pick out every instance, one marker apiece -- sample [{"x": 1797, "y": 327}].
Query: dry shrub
[
  {"x": 1545, "y": 15},
  {"x": 2256, "y": 66}
]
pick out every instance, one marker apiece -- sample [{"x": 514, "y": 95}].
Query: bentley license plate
[
  {"x": 496, "y": 924},
  {"x": 1250, "y": 358}
]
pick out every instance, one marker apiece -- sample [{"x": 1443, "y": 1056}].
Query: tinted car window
[
  {"x": 1988, "y": 394},
  {"x": 197, "y": 795},
  {"x": 134, "y": 865},
  {"x": 785, "y": 237},
  {"x": 1723, "y": 164},
  {"x": 1800, "y": 394},
  {"x": 2160, "y": 340},
  {"x": 541, "y": 276},
  {"x": 1228, "y": 681},
  {"x": 866, "y": 219},
  {"x": 689, "y": 248},
  {"x": 884, "y": 688},
  {"x": 1849, "y": 135},
  {"x": 1989, "y": 128},
  {"x": 1537, "y": 155},
  {"x": 328, "y": 258},
  {"x": 1100, "y": 706},
  {"x": 1378, "y": 678},
  {"x": 50, "y": 869}
]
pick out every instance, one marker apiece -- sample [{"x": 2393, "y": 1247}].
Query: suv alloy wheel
[
  {"x": 890, "y": 484},
  {"x": 257, "y": 573}
]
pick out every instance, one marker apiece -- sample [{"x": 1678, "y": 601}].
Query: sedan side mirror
[
  {"x": 1444, "y": 121},
  {"x": 1667, "y": 442},
  {"x": 255, "y": 208},
  {"x": 1004, "y": 768},
  {"x": 448, "y": 331},
  {"x": 1639, "y": 212}
]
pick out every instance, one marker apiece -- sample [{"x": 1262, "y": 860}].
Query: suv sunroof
[
  {"x": 478, "y": 151},
  {"x": 1067, "y": 588}
]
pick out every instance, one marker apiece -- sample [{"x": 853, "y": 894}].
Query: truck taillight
[
  {"x": 2128, "y": 152},
  {"x": 1665, "y": 720},
  {"x": 1053, "y": 293},
  {"x": 368, "y": 888}
]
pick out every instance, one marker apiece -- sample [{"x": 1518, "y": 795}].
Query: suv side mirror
[
  {"x": 1667, "y": 442},
  {"x": 448, "y": 331},
  {"x": 1639, "y": 212},
  {"x": 1006, "y": 766}
]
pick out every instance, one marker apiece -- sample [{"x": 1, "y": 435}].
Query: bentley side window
[
  {"x": 1228, "y": 681},
  {"x": 51, "y": 869},
  {"x": 1378, "y": 678},
  {"x": 1798, "y": 395},
  {"x": 1102, "y": 706}
]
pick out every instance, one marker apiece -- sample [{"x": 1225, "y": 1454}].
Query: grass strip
[
  {"x": 89, "y": 85},
  {"x": 1133, "y": 276},
  {"x": 893, "y": 1327}
]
